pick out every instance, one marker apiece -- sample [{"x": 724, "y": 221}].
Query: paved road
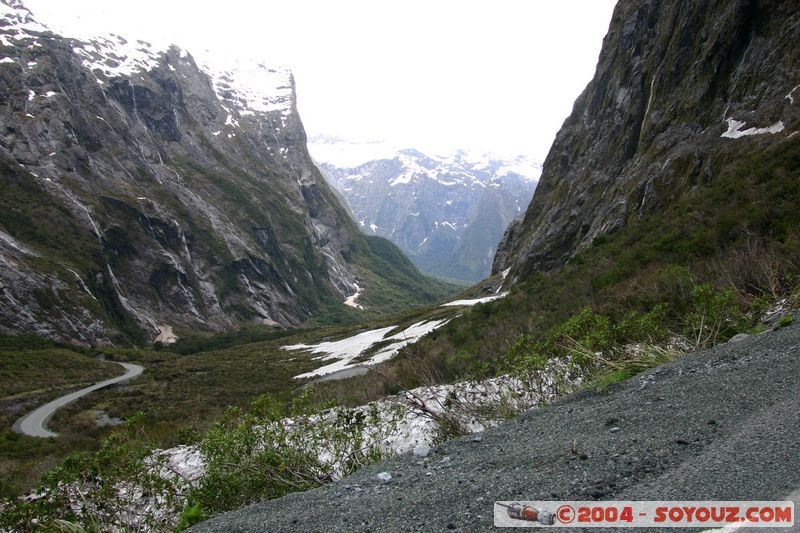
[
  {"x": 722, "y": 424},
  {"x": 34, "y": 423}
]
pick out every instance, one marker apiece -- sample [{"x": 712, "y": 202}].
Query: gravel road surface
[{"x": 722, "y": 424}]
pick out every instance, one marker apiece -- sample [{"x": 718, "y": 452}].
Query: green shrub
[
  {"x": 192, "y": 514},
  {"x": 647, "y": 327},
  {"x": 593, "y": 346},
  {"x": 587, "y": 328},
  {"x": 757, "y": 307},
  {"x": 603, "y": 381},
  {"x": 272, "y": 450},
  {"x": 464, "y": 365},
  {"x": 527, "y": 354},
  {"x": 716, "y": 316},
  {"x": 84, "y": 492}
]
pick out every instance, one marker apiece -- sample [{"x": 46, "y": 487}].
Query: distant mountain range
[{"x": 447, "y": 213}]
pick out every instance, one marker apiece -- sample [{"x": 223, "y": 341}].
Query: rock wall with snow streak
[{"x": 681, "y": 90}]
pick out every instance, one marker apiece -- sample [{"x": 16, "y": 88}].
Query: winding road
[{"x": 33, "y": 424}]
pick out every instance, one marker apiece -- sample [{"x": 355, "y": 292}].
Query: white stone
[{"x": 422, "y": 451}]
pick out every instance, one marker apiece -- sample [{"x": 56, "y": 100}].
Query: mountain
[
  {"x": 446, "y": 213},
  {"x": 143, "y": 191},
  {"x": 686, "y": 95}
]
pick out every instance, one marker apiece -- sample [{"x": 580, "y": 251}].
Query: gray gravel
[{"x": 719, "y": 424}]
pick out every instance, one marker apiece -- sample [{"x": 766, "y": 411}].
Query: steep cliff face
[
  {"x": 142, "y": 190},
  {"x": 681, "y": 89}
]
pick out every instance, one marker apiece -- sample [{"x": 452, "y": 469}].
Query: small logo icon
[
  {"x": 518, "y": 511},
  {"x": 565, "y": 514}
]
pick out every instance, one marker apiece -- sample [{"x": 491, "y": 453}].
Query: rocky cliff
[
  {"x": 447, "y": 213},
  {"x": 142, "y": 190},
  {"x": 681, "y": 90}
]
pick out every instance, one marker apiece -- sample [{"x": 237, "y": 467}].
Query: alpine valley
[{"x": 636, "y": 338}]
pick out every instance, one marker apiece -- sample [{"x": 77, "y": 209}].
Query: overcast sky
[{"x": 497, "y": 76}]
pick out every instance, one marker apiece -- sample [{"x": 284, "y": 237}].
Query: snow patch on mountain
[
  {"x": 351, "y": 300},
  {"x": 243, "y": 87},
  {"x": 346, "y": 351},
  {"x": 521, "y": 166},
  {"x": 789, "y": 96},
  {"x": 448, "y": 225},
  {"x": 411, "y": 170},
  {"x": 249, "y": 87},
  {"x": 17, "y": 25},
  {"x": 474, "y": 301},
  {"x": 735, "y": 129},
  {"x": 115, "y": 56}
]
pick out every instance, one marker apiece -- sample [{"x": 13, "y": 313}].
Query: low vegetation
[
  {"x": 261, "y": 452},
  {"x": 739, "y": 235},
  {"x": 26, "y": 371},
  {"x": 285, "y": 443},
  {"x": 185, "y": 388},
  {"x": 270, "y": 450},
  {"x": 32, "y": 372}
]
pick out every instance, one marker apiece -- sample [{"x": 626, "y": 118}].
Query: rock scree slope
[{"x": 718, "y": 424}]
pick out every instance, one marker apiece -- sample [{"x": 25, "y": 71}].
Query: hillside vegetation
[{"x": 739, "y": 232}]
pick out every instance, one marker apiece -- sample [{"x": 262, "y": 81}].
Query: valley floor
[{"x": 721, "y": 424}]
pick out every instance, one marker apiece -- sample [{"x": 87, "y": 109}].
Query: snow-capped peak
[
  {"x": 348, "y": 154},
  {"x": 521, "y": 166},
  {"x": 427, "y": 204},
  {"x": 108, "y": 56},
  {"x": 17, "y": 25},
  {"x": 250, "y": 87},
  {"x": 499, "y": 166},
  {"x": 243, "y": 87},
  {"x": 460, "y": 167},
  {"x": 114, "y": 56}
]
